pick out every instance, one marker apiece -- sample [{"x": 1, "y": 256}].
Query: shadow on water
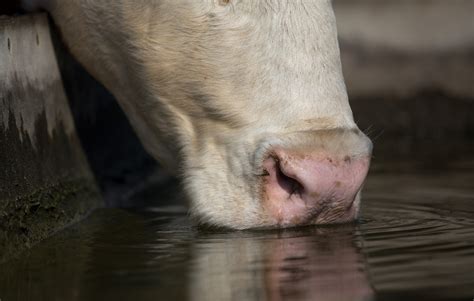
[{"x": 415, "y": 239}]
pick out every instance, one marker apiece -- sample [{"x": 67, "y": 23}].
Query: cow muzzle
[{"x": 314, "y": 186}]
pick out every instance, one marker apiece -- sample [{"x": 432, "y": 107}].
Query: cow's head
[
  {"x": 253, "y": 94},
  {"x": 245, "y": 97}
]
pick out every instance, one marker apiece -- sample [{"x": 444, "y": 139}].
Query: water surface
[{"x": 415, "y": 240}]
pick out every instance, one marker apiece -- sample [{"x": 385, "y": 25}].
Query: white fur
[{"x": 209, "y": 87}]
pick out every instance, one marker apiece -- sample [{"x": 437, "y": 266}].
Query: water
[{"x": 415, "y": 240}]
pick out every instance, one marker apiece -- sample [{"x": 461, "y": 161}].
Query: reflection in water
[
  {"x": 157, "y": 256},
  {"x": 307, "y": 264},
  {"x": 415, "y": 241}
]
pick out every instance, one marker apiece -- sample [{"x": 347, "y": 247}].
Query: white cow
[{"x": 244, "y": 99}]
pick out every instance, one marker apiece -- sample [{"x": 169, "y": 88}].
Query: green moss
[{"x": 26, "y": 220}]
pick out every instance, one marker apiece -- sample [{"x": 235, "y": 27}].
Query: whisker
[
  {"x": 368, "y": 129},
  {"x": 378, "y": 135}
]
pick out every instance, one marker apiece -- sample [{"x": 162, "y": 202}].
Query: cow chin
[
  {"x": 297, "y": 179},
  {"x": 224, "y": 192}
]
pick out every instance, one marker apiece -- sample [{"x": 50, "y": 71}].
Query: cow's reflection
[
  {"x": 118, "y": 255},
  {"x": 317, "y": 264}
]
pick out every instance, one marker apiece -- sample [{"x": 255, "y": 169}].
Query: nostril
[
  {"x": 286, "y": 182},
  {"x": 304, "y": 186}
]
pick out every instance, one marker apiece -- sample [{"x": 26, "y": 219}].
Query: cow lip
[{"x": 321, "y": 215}]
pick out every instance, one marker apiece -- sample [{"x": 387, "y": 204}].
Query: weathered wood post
[{"x": 45, "y": 180}]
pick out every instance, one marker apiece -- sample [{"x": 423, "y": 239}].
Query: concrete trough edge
[{"x": 45, "y": 180}]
